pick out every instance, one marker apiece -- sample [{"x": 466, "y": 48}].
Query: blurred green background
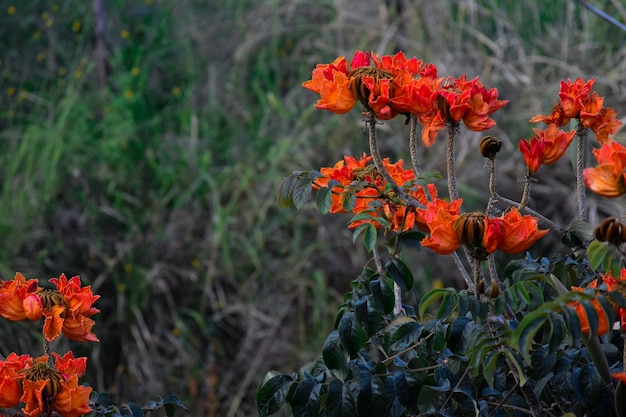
[{"x": 141, "y": 143}]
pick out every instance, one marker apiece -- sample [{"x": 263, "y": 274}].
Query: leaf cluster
[{"x": 103, "y": 406}]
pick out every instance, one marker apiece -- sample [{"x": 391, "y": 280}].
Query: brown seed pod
[
  {"x": 470, "y": 227},
  {"x": 612, "y": 231},
  {"x": 490, "y": 146}
]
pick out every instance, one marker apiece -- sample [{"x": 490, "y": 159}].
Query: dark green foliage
[
  {"x": 460, "y": 353},
  {"x": 103, "y": 406}
]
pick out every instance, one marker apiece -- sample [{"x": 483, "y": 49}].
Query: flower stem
[
  {"x": 450, "y": 158},
  {"x": 413, "y": 145},
  {"x": 526, "y": 192},
  {"x": 468, "y": 280},
  {"x": 549, "y": 223},
  {"x": 492, "y": 185},
  {"x": 581, "y": 133},
  {"x": 378, "y": 162}
]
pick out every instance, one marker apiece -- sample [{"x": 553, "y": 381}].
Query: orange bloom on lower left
[{"x": 44, "y": 387}]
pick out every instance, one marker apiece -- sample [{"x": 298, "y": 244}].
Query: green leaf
[
  {"x": 369, "y": 237},
  {"x": 340, "y": 401},
  {"x": 582, "y": 230},
  {"x": 408, "y": 385},
  {"x": 382, "y": 293},
  {"x": 170, "y": 403},
  {"x": 494, "y": 362},
  {"x": 304, "y": 397},
  {"x": 302, "y": 191},
  {"x": 526, "y": 330},
  {"x": 620, "y": 399},
  {"x": 323, "y": 199},
  {"x": 432, "y": 296},
  {"x": 351, "y": 334},
  {"x": 587, "y": 385},
  {"x": 405, "y": 331},
  {"x": 284, "y": 192},
  {"x": 517, "y": 363},
  {"x": 348, "y": 198},
  {"x": 272, "y": 391},
  {"x": 134, "y": 410},
  {"x": 596, "y": 253},
  {"x": 334, "y": 354},
  {"x": 371, "y": 400},
  {"x": 368, "y": 315},
  {"x": 400, "y": 273},
  {"x": 448, "y": 305}
]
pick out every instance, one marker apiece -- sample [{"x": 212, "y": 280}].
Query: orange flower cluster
[
  {"x": 612, "y": 285},
  {"x": 481, "y": 234},
  {"x": 38, "y": 386},
  {"x": 578, "y": 101},
  {"x": 391, "y": 85},
  {"x": 379, "y": 83},
  {"x": 460, "y": 99},
  {"x": 609, "y": 177},
  {"x": 67, "y": 309},
  {"x": 372, "y": 191},
  {"x": 546, "y": 147}
]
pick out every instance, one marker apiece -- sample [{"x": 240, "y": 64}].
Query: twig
[
  {"x": 526, "y": 192},
  {"x": 413, "y": 145},
  {"x": 581, "y": 132},
  {"x": 378, "y": 162},
  {"x": 450, "y": 159},
  {"x": 552, "y": 225}
]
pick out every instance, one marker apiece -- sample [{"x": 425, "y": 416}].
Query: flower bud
[
  {"x": 470, "y": 227},
  {"x": 490, "y": 146},
  {"x": 612, "y": 231}
]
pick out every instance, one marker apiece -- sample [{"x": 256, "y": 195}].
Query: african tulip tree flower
[
  {"x": 10, "y": 379},
  {"x": 481, "y": 234},
  {"x": 56, "y": 387},
  {"x": 67, "y": 309},
  {"x": 603, "y": 323},
  {"x": 578, "y": 101},
  {"x": 460, "y": 99},
  {"x": 546, "y": 147},
  {"x": 609, "y": 177},
  {"x": 370, "y": 79},
  {"x": 373, "y": 192}
]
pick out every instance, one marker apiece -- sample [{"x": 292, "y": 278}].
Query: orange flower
[
  {"x": 482, "y": 235},
  {"x": 460, "y": 100},
  {"x": 577, "y": 100},
  {"x": 77, "y": 324},
  {"x": 67, "y": 309},
  {"x": 605, "y": 124},
  {"x": 557, "y": 117},
  {"x": 609, "y": 177},
  {"x": 616, "y": 284},
  {"x": 533, "y": 153},
  {"x": 344, "y": 173},
  {"x": 44, "y": 387},
  {"x": 18, "y": 299},
  {"x": 620, "y": 376},
  {"x": 603, "y": 323},
  {"x": 371, "y": 79},
  {"x": 512, "y": 232},
  {"x": 440, "y": 217},
  {"x": 546, "y": 147},
  {"x": 574, "y": 96},
  {"x": 11, "y": 380}
]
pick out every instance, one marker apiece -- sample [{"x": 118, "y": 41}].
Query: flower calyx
[
  {"x": 611, "y": 230},
  {"x": 490, "y": 146}
]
